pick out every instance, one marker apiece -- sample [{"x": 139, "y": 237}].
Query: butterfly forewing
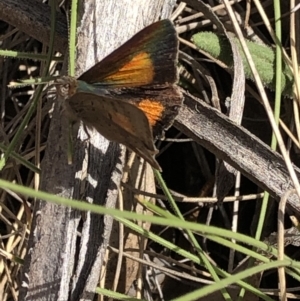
[{"x": 148, "y": 58}]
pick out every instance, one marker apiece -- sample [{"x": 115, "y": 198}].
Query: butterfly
[{"x": 130, "y": 96}]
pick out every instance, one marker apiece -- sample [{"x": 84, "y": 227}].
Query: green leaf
[{"x": 263, "y": 56}]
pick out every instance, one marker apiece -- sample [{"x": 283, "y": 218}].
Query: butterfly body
[{"x": 130, "y": 97}]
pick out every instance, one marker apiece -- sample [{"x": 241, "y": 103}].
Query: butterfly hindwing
[
  {"x": 160, "y": 105},
  {"x": 124, "y": 123}
]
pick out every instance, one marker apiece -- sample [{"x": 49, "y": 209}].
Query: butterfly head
[{"x": 66, "y": 86}]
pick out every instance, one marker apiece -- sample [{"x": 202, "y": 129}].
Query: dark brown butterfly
[{"x": 130, "y": 96}]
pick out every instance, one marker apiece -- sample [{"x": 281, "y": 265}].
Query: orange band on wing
[
  {"x": 138, "y": 71},
  {"x": 153, "y": 110}
]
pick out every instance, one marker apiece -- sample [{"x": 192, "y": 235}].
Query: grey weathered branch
[
  {"x": 237, "y": 146},
  {"x": 33, "y": 18}
]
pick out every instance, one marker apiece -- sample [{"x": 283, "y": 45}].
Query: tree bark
[{"x": 59, "y": 264}]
